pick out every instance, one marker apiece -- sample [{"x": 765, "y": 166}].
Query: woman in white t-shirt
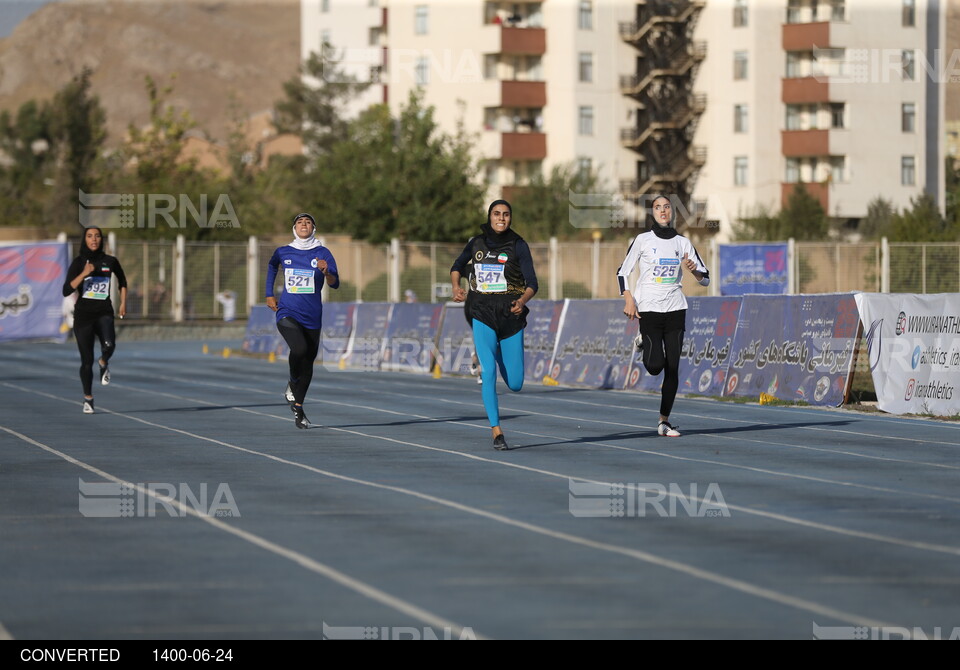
[{"x": 658, "y": 301}]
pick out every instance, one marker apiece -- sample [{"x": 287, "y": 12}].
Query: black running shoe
[
  {"x": 302, "y": 421},
  {"x": 500, "y": 443},
  {"x": 88, "y": 406}
]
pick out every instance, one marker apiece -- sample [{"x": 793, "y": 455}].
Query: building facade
[{"x": 726, "y": 105}]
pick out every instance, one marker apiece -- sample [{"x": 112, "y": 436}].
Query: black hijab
[
  {"x": 85, "y": 252},
  {"x": 490, "y": 234}
]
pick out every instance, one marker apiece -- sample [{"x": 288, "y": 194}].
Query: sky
[{"x": 12, "y": 12}]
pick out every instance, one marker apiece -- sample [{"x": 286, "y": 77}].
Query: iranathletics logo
[
  {"x": 600, "y": 499},
  {"x": 145, "y": 210},
  {"x": 395, "y": 633},
  {"x": 111, "y": 500},
  {"x": 901, "y": 324}
]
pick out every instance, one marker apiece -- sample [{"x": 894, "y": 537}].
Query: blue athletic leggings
[{"x": 508, "y": 355}]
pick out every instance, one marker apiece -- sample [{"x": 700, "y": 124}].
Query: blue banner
[
  {"x": 337, "y": 328},
  {"x": 455, "y": 341},
  {"x": 795, "y": 348},
  {"x": 710, "y": 327},
  {"x": 366, "y": 342},
  {"x": 540, "y": 337},
  {"x": 595, "y": 344},
  {"x": 31, "y": 297},
  {"x": 410, "y": 336},
  {"x": 261, "y": 336},
  {"x": 753, "y": 268}
]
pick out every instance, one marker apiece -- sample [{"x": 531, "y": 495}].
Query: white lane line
[
  {"x": 643, "y": 556},
  {"x": 565, "y": 440},
  {"x": 4, "y": 633},
  {"x": 302, "y": 560}
]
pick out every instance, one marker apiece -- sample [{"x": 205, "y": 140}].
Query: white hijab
[{"x": 305, "y": 244}]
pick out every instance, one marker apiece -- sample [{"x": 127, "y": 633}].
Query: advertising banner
[
  {"x": 797, "y": 348},
  {"x": 753, "y": 268},
  {"x": 31, "y": 291},
  {"x": 454, "y": 345},
  {"x": 540, "y": 337},
  {"x": 913, "y": 345},
  {"x": 410, "y": 336},
  {"x": 366, "y": 341},
  {"x": 335, "y": 334},
  {"x": 595, "y": 345}
]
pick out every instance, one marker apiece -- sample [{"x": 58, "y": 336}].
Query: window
[
  {"x": 838, "y": 169},
  {"x": 838, "y": 111},
  {"x": 584, "y": 167},
  {"x": 908, "y": 170},
  {"x": 490, "y": 63},
  {"x": 422, "y": 72},
  {"x": 838, "y": 10},
  {"x": 740, "y": 171},
  {"x": 739, "y": 64},
  {"x": 908, "y": 64},
  {"x": 793, "y": 64},
  {"x": 792, "y": 175},
  {"x": 492, "y": 173},
  {"x": 373, "y": 37},
  {"x": 324, "y": 6},
  {"x": 585, "y": 15},
  {"x": 739, "y": 13},
  {"x": 586, "y": 67},
  {"x": 909, "y": 13},
  {"x": 376, "y": 73},
  {"x": 420, "y": 20},
  {"x": 325, "y": 38},
  {"x": 793, "y": 117},
  {"x": 908, "y": 116},
  {"x": 586, "y": 120},
  {"x": 739, "y": 118},
  {"x": 793, "y": 11}
]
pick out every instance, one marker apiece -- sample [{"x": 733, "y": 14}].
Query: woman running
[
  {"x": 502, "y": 281},
  {"x": 306, "y": 265},
  {"x": 91, "y": 273},
  {"x": 658, "y": 300}
]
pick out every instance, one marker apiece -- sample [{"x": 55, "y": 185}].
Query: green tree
[
  {"x": 922, "y": 222},
  {"x": 758, "y": 224},
  {"x": 876, "y": 223},
  {"x": 803, "y": 217},
  {"x": 398, "y": 177},
  {"x": 314, "y": 102},
  {"x": 542, "y": 207}
]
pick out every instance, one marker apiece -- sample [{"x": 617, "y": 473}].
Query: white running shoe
[
  {"x": 475, "y": 370},
  {"x": 88, "y": 406},
  {"x": 105, "y": 376},
  {"x": 667, "y": 430},
  {"x": 288, "y": 394}
]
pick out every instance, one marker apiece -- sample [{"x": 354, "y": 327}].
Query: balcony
[
  {"x": 523, "y": 41},
  {"x": 798, "y": 143},
  {"x": 805, "y": 36},
  {"x": 819, "y": 191},
  {"x": 523, "y": 94},
  {"x": 523, "y": 146},
  {"x": 804, "y": 90}
]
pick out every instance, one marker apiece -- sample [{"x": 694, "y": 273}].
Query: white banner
[{"x": 914, "y": 351}]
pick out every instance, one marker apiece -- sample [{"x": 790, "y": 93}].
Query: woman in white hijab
[{"x": 306, "y": 265}]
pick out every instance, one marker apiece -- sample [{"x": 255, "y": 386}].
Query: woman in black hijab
[
  {"x": 91, "y": 273},
  {"x": 499, "y": 270}
]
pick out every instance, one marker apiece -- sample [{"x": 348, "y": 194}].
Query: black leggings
[
  {"x": 304, "y": 344},
  {"x": 662, "y": 343},
  {"x": 85, "y": 329}
]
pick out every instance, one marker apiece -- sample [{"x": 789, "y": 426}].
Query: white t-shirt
[{"x": 659, "y": 287}]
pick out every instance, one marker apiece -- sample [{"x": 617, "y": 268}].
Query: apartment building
[{"x": 726, "y": 105}]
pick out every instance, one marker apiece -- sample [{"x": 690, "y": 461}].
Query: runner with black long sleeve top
[{"x": 91, "y": 274}]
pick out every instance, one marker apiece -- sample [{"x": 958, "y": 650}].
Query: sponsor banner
[
  {"x": 913, "y": 346},
  {"x": 409, "y": 337},
  {"x": 261, "y": 336},
  {"x": 31, "y": 297},
  {"x": 540, "y": 337},
  {"x": 335, "y": 335},
  {"x": 367, "y": 339},
  {"x": 797, "y": 348},
  {"x": 594, "y": 345},
  {"x": 753, "y": 268},
  {"x": 455, "y": 343}
]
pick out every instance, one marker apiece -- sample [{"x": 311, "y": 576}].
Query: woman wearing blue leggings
[{"x": 501, "y": 278}]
